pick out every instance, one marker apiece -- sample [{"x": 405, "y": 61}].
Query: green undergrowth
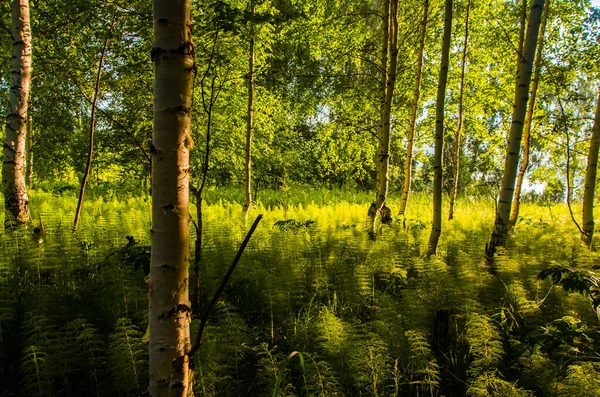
[{"x": 369, "y": 317}]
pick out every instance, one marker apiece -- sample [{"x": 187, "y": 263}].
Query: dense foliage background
[{"x": 316, "y": 105}]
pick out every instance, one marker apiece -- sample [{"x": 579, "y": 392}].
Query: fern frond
[
  {"x": 488, "y": 384},
  {"x": 583, "y": 380},
  {"x": 422, "y": 369},
  {"x": 485, "y": 344},
  {"x": 35, "y": 372},
  {"x": 128, "y": 360}
]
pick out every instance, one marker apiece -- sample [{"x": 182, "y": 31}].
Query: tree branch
[{"x": 217, "y": 295}]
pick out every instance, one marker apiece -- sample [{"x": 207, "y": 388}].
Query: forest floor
[{"x": 369, "y": 317}]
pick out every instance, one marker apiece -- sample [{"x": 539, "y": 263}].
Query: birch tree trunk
[
  {"x": 389, "y": 49},
  {"x": 250, "y": 125},
  {"x": 388, "y": 81},
  {"x": 501, "y": 224},
  {"x": 590, "y": 180},
  {"x": 461, "y": 114},
  {"x": 385, "y": 43},
  {"x": 169, "y": 310},
  {"x": 413, "y": 114},
  {"x": 514, "y": 215},
  {"x": 436, "y": 229},
  {"x": 16, "y": 201}
]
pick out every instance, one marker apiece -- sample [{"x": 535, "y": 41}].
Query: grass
[{"x": 368, "y": 317}]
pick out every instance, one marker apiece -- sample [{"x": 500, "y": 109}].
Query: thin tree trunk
[
  {"x": 207, "y": 106},
  {"x": 461, "y": 115},
  {"x": 388, "y": 80},
  {"x": 169, "y": 308},
  {"x": 247, "y": 185},
  {"x": 514, "y": 215},
  {"x": 501, "y": 224},
  {"x": 436, "y": 229},
  {"x": 198, "y": 195},
  {"x": 590, "y": 181},
  {"x": 199, "y": 226},
  {"x": 88, "y": 165},
  {"x": 413, "y": 114},
  {"x": 16, "y": 200},
  {"x": 522, "y": 26},
  {"x": 29, "y": 168}
]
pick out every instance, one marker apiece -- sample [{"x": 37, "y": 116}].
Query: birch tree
[
  {"x": 501, "y": 224},
  {"x": 461, "y": 115},
  {"x": 436, "y": 229},
  {"x": 16, "y": 200},
  {"x": 413, "y": 113},
  {"x": 514, "y": 215},
  {"x": 590, "y": 180},
  {"x": 169, "y": 311},
  {"x": 388, "y": 82}
]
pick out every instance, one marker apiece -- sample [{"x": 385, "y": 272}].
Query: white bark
[
  {"x": 590, "y": 180},
  {"x": 16, "y": 200},
  {"x": 169, "y": 312},
  {"x": 501, "y": 225},
  {"x": 436, "y": 229}
]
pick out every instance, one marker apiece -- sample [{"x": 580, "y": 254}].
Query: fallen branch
[{"x": 215, "y": 298}]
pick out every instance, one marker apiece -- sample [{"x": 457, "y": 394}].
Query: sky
[{"x": 596, "y": 3}]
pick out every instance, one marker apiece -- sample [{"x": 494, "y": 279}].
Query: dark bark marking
[
  {"x": 181, "y": 110},
  {"x": 167, "y": 266},
  {"x": 168, "y": 207},
  {"x": 180, "y": 308}
]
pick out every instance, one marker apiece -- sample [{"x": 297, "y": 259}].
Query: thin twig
[
  {"x": 217, "y": 295},
  {"x": 569, "y": 189},
  {"x": 92, "y": 125},
  {"x": 103, "y": 112}
]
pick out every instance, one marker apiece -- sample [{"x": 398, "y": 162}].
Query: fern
[
  {"x": 488, "y": 384},
  {"x": 128, "y": 361},
  {"x": 583, "y": 380},
  {"x": 35, "y": 372},
  {"x": 86, "y": 354},
  {"x": 370, "y": 363},
  {"x": 331, "y": 332},
  {"x": 269, "y": 374},
  {"x": 223, "y": 353},
  {"x": 321, "y": 378},
  {"x": 121, "y": 291},
  {"x": 422, "y": 369},
  {"x": 36, "y": 366},
  {"x": 485, "y": 345},
  {"x": 538, "y": 373}
]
